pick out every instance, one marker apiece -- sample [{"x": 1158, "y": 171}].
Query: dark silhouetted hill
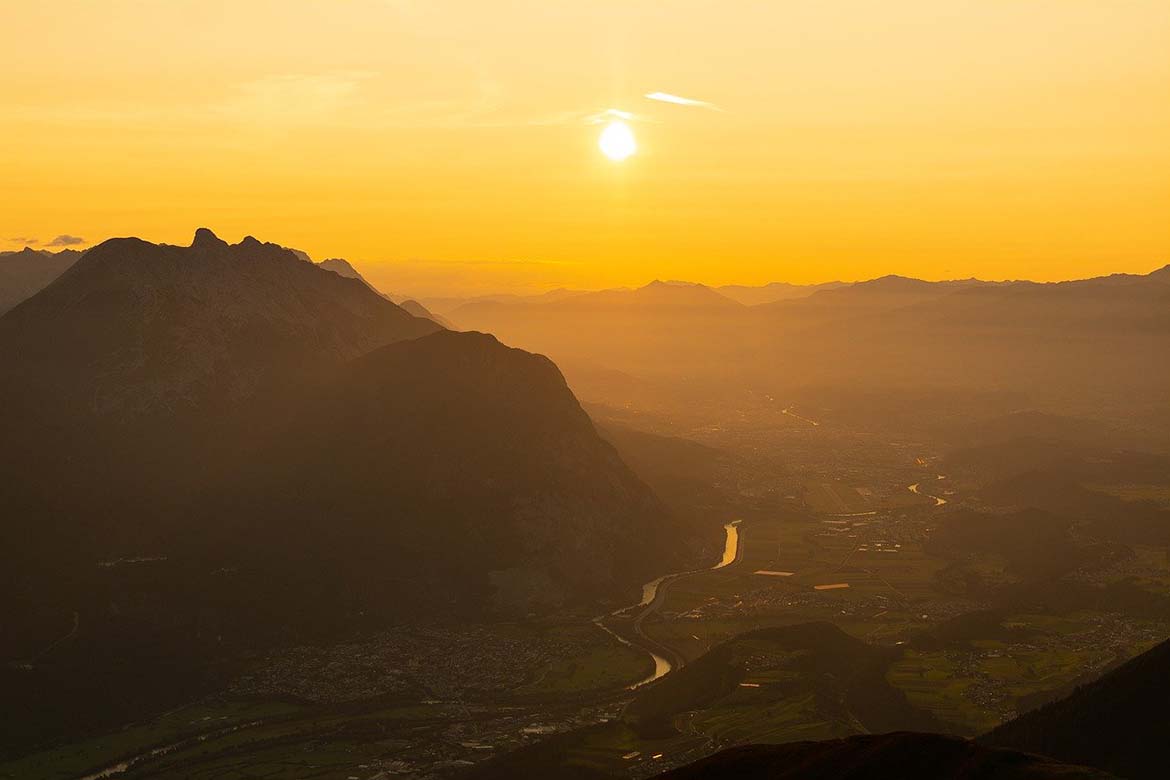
[
  {"x": 1120, "y": 722},
  {"x": 134, "y": 328},
  {"x": 175, "y": 378},
  {"x": 902, "y": 755},
  {"x": 209, "y": 449}
]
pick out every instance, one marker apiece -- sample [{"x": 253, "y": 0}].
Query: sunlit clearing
[{"x": 617, "y": 141}]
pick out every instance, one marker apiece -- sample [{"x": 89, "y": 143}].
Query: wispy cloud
[
  {"x": 66, "y": 240},
  {"x": 610, "y": 114},
  {"x": 666, "y": 97},
  {"x": 24, "y": 240}
]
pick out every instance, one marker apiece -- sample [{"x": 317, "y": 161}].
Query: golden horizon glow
[{"x": 451, "y": 145}]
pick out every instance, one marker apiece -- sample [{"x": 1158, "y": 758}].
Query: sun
[{"x": 617, "y": 141}]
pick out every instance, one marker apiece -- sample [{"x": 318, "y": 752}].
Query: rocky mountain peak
[{"x": 205, "y": 239}]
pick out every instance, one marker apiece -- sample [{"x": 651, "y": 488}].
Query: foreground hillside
[
  {"x": 778, "y": 684},
  {"x": 1124, "y": 713},
  {"x": 1117, "y": 724},
  {"x": 898, "y": 755}
]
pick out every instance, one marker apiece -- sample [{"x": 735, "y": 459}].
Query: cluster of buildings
[{"x": 435, "y": 663}]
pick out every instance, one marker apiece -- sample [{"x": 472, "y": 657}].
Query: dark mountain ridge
[
  {"x": 1119, "y": 722},
  {"x": 214, "y": 448},
  {"x": 903, "y": 755},
  {"x": 134, "y": 328},
  {"x": 178, "y": 375}
]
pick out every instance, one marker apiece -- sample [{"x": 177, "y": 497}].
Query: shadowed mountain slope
[
  {"x": 214, "y": 448},
  {"x": 902, "y": 755},
  {"x": 1119, "y": 722},
  {"x": 189, "y": 378}
]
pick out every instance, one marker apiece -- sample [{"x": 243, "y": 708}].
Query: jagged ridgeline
[{"x": 233, "y": 440}]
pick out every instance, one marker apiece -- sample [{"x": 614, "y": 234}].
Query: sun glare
[{"x": 617, "y": 141}]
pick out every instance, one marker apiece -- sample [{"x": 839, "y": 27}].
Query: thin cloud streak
[
  {"x": 666, "y": 97},
  {"x": 609, "y": 114}
]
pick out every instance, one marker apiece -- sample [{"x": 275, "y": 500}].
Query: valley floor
[{"x": 830, "y": 532}]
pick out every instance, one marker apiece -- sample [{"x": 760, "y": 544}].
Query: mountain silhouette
[
  {"x": 1089, "y": 339},
  {"x": 343, "y": 267},
  {"x": 772, "y": 292},
  {"x": 27, "y": 272},
  {"x": 418, "y": 310},
  {"x": 138, "y": 332},
  {"x": 294, "y": 455}
]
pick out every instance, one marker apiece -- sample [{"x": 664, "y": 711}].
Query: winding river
[
  {"x": 938, "y": 500},
  {"x": 653, "y": 594}
]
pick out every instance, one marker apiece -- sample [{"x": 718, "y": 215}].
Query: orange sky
[{"x": 448, "y": 146}]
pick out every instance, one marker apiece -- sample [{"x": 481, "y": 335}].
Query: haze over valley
[{"x": 402, "y": 390}]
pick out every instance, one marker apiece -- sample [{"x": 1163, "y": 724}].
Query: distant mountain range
[
  {"x": 661, "y": 298},
  {"x": 27, "y": 272},
  {"x": 747, "y": 295},
  {"x": 773, "y": 291},
  {"x": 1068, "y": 346},
  {"x": 343, "y": 268}
]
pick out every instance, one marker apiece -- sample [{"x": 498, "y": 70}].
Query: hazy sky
[{"x": 453, "y": 145}]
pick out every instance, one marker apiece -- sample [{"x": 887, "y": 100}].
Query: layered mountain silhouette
[
  {"x": 27, "y": 272},
  {"x": 655, "y": 295},
  {"x": 418, "y": 310},
  {"x": 343, "y": 267},
  {"x": 772, "y": 292},
  {"x": 1065, "y": 346},
  {"x": 232, "y": 407}
]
